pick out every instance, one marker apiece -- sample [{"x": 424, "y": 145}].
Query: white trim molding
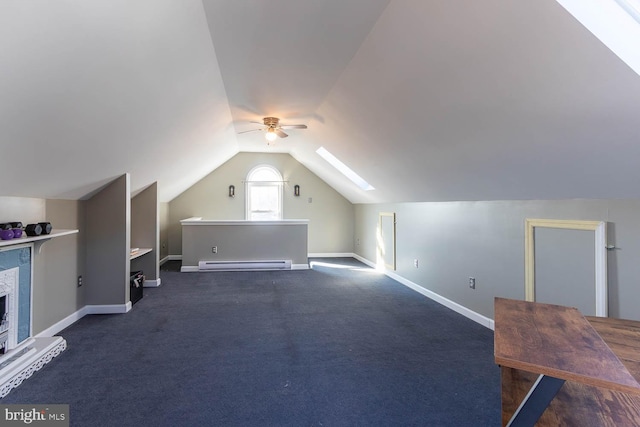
[
  {"x": 9, "y": 288},
  {"x": 87, "y": 309},
  {"x": 37, "y": 353},
  {"x": 154, "y": 283},
  {"x": 460, "y": 309},
  {"x": 197, "y": 221},
  {"x": 332, "y": 255},
  {"x": 600, "y": 236},
  {"x": 171, "y": 258},
  {"x": 108, "y": 308},
  {"x": 382, "y": 253},
  {"x": 64, "y": 323}
]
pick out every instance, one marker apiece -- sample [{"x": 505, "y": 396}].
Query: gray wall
[
  {"x": 561, "y": 279},
  {"x": 244, "y": 242},
  {"x": 108, "y": 239},
  {"x": 61, "y": 260},
  {"x": 163, "y": 209},
  {"x": 145, "y": 232},
  {"x": 24, "y": 209},
  {"x": 330, "y": 215},
  {"x": 455, "y": 240},
  {"x": 56, "y": 292}
]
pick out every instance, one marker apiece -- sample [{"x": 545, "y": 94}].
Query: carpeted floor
[{"x": 338, "y": 345}]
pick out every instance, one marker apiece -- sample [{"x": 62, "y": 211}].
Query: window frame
[{"x": 251, "y": 183}]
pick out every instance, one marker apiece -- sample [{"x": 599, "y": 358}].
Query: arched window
[{"x": 264, "y": 194}]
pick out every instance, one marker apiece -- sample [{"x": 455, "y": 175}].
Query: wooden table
[{"x": 562, "y": 369}]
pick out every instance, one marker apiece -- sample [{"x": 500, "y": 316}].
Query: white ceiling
[{"x": 426, "y": 100}]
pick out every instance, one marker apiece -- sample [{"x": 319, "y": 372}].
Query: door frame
[
  {"x": 600, "y": 236},
  {"x": 381, "y": 244}
]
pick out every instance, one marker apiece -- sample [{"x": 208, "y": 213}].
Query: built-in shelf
[
  {"x": 38, "y": 240},
  {"x": 138, "y": 253}
]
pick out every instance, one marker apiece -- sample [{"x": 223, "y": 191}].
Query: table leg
[{"x": 536, "y": 401}]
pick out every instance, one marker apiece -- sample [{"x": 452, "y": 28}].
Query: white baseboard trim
[
  {"x": 195, "y": 269},
  {"x": 87, "y": 309},
  {"x": 460, "y": 309},
  {"x": 152, "y": 283},
  {"x": 109, "y": 308},
  {"x": 364, "y": 260},
  {"x": 332, "y": 255},
  {"x": 476, "y": 317},
  {"x": 171, "y": 258},
  {"x": 64, "y": 323}
]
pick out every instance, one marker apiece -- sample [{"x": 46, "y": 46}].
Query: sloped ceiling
[
  {"x": 427, "y": 101},
  {"x": 91, "y": 90}
]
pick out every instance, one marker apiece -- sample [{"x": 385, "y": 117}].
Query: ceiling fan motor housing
[{"x": 272, "y": 122}]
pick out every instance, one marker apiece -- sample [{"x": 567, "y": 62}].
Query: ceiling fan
[{"x": 273, "y": 128}]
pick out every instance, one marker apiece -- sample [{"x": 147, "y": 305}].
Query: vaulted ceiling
[{"x": 426, "y": 100}]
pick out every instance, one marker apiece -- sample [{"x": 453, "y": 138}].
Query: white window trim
[
  {"x": 249, "y": 183},
  {"x": 613, "y": 22}
]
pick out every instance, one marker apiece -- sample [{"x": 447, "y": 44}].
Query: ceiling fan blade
[
  {"x": 258, "y": 123},
  {"x": 293, "y": 126},
  {"x": 280, "y": 133},
  {"x": 252, "y": 130}
]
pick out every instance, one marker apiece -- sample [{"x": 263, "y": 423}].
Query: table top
[
  {"x": 623, "y": 338},
  {"x": 557, "y": 341}
]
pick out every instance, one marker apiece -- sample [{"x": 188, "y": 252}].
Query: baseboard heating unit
[{"x": 282, "y": 264}]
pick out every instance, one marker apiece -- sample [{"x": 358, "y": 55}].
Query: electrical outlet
[
  {"x": 415, "y": 263},
  {"x": 472, "y": 282},
  {"x": 79, "y": 281},
  {"x": 214, "y": 249}
]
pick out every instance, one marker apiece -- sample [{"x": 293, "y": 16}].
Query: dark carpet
[{"x": 338, "y": 345}]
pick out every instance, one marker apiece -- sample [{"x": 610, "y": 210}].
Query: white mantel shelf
[{"x": 39, "y": 240}]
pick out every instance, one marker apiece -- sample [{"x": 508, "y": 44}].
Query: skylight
[
  {"x": 615, "y": 22},
  {"x": 632, "y": 7},
  {"x": 344, "y": 169}
]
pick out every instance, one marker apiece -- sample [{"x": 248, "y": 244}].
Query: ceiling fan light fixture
[
  {"x": 270, "y": 135},
  {"x": 273, "y": 129}
]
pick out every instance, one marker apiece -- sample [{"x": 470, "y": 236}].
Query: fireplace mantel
[{"x": 26, "y": 354}]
